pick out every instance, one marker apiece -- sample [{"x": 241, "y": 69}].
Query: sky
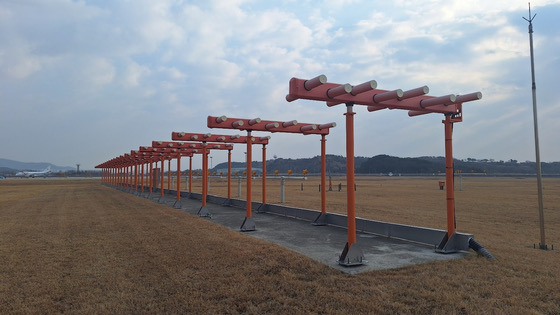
[{"x": 82, "y": 82}]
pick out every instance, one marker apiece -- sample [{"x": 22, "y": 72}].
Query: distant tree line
[{"x": 385, "y": 164}]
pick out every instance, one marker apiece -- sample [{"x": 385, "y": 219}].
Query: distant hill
[
  {"x": 11, "y": 166},
  {"x": 491, "y": 166},
  {"x": 336, "y": 164},
  {"x": 385, "y": 164}
]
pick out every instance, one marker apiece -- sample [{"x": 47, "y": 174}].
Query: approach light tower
[{"x": 542, "y": 244}]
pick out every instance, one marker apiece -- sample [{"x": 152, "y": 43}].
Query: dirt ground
[{"x": 81, "y": 247}]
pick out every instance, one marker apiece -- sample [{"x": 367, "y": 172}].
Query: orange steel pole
[
  {"x": 264, "y": 174},
  {"x": 150, "y": 184},
  {"x": 169, "y": 174},
  {"x": 203, "y": 212},
  {"x": 190, "y": 174},
  {"x": 161, "y": 177},
  {"x": 229, "y": 175},
  {"x": 178, "y": 176},
  {"x": 204, "y": 174},
  {"x": 249, "y": 223},
  {"x": 449, "y": 176},
  {"x": 350, "y": 193},
  {"x": 323, "y": 174},
  {"x": 142, "y": 178},
  {"x": 136, "y": 177},
  {"x": 249, "y": 171}
]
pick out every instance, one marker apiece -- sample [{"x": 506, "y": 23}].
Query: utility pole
[{"x": 542, "y": 244}]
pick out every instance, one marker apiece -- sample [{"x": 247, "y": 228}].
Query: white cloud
[
  {"x": 130, "y": 64},
  {"x": 134, "y": 73},
  {"x": 17, "y": 62},
  {"x": 99, "y": 71}
]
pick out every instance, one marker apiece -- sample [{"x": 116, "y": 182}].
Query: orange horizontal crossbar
[
  {"x": 161, "y": 145},
  {"x": 291, "y": 126},
  {"x": 367, "y": 94},
  {"x": 187, "y": 136}
]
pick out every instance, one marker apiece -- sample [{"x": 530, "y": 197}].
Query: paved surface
[{"x": 322, "y": 243}]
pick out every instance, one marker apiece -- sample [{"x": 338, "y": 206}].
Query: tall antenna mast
[{"x": 542, "y": 244}]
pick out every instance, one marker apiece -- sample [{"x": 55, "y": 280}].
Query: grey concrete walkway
[{"x": 322, "y": 243}]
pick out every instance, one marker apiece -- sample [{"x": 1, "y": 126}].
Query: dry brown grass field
[{"x": 80, "y": 247}]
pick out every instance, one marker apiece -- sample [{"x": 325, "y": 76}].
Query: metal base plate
[
  {"x": 203, "y": 212},
  {"x": 320, "y": 220},
  {"x": 177, "y": 204},
  {"x": 447, "y": 246},
  {"x": 352, "y": 255},
  {"x": 261, "y": 208},
  {"x": 248, "y": 225}
]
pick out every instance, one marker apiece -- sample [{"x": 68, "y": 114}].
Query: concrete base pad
[{"x": 325, "y": 243}]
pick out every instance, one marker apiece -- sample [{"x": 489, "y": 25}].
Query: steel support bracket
[
  {"x": 352, "y": 255},
  {"x": 262, "y": 208},
  {"x": 203, "y": 212},
  {"x": 320, "y": 220},
  {"x": 450, "y": 245},
  {"x": 248, "y": 225},
  {"x": 177, "y": 204}
]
